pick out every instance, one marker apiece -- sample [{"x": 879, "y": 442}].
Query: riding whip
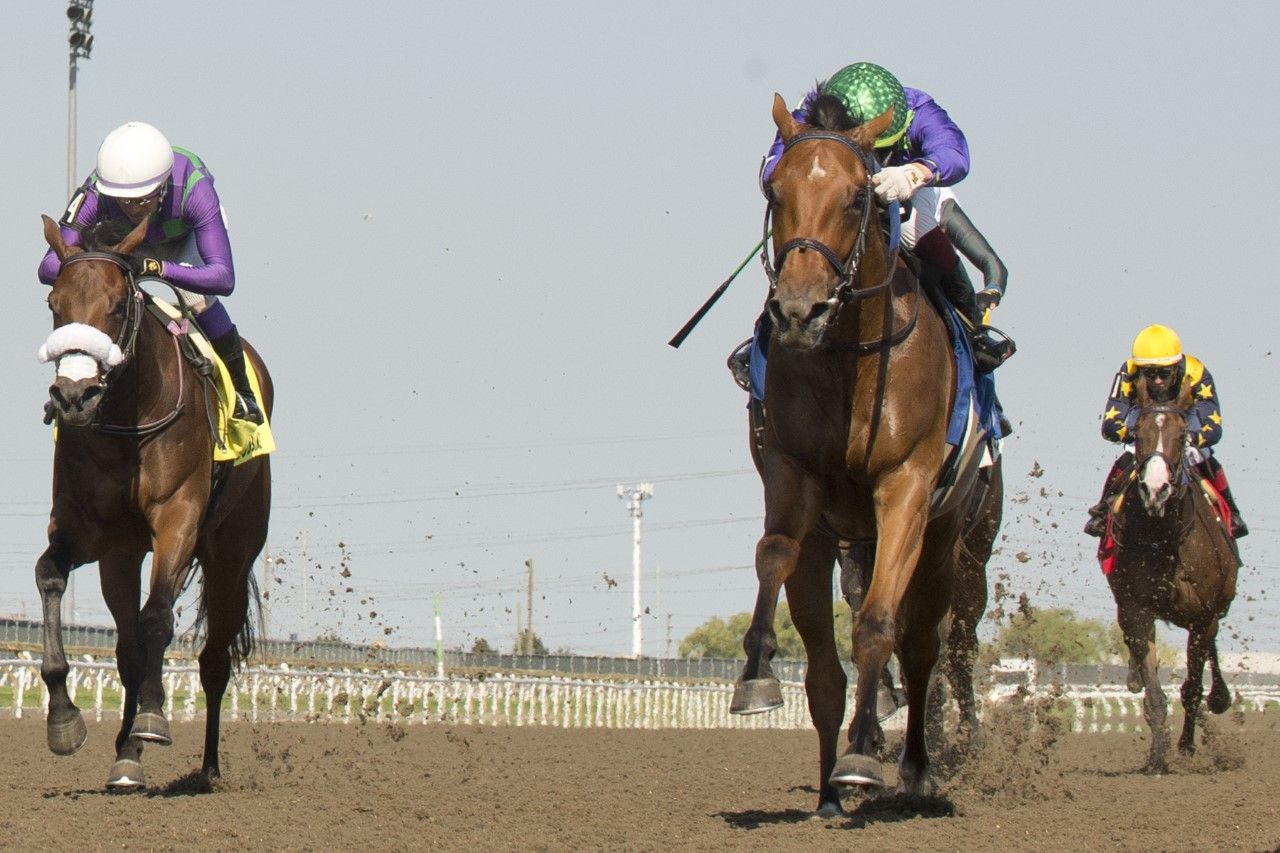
[{"x": 719, "y": 291}]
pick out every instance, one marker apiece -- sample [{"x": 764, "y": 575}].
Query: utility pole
[
  {"x": 80, "y": 15},
  {"x": 80, "y": 43},
  {"x": 528, "y": 643},
  {"x": 439, "y": 641},
  {"x": 635, "y": 495}
]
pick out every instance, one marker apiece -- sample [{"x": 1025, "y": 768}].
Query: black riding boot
[
  {"x": 958, "y": 289},
  {"x": 231, "y": 351}
]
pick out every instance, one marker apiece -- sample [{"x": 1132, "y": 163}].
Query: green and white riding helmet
[{"x": 867, "y": 90}]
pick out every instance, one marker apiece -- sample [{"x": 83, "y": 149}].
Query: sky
[{"x": 464, "y": 232}]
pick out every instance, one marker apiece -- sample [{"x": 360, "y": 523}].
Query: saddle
[{"x": 235, "y": 440}]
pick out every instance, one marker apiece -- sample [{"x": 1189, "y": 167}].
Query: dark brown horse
[
  {"x": 859, "y": 388},
  {"x": 133, "y": 473},
  {"x": 1174, "y": 561}
]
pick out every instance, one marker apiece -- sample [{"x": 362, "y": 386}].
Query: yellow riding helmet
[{"x": 1157, "y": 345}]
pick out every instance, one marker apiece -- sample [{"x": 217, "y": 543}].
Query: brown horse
[
  {"x": 133, "y": 473},
  {"x": 859, "y": 388},
  {"x": 1174, "y": 561}
]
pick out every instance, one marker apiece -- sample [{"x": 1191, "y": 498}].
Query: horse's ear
[
  {"x": 787, "y": 125},
  {"x": 865, "y": 135},
  {"x": 53, "y": 236},
  {"x": 132, "y": 241}
]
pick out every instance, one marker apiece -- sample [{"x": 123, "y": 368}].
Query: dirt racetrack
[{"x": 380, "y": 786}]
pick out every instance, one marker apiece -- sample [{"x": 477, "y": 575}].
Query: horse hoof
[
  {"x": 1219, "y": 703},
  {"x": 67, "y": 736},
  {"x": 829, "y": 810},
  {"x": 855, "y": 769},
  {"x": 1133, "y": 685},
  {"x": 151, "y": 727},
  {"x": 756, "y": 696},
  {"x": 126, "y": 775},
  {"x": 1156, "y": 768}
]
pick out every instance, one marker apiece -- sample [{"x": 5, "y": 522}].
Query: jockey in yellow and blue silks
[{"x": 1158, "y": 356}]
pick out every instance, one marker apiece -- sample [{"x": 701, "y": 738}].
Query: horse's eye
[{"x": 120, "y": 308}]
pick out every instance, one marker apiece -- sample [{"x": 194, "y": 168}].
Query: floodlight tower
[
  {"x": 80, "y": 14},
  {"x": 634, "y": 495}
]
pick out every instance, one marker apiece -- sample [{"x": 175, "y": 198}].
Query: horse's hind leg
[
  {"x": 121, "y": 588},
  {"x": 809, "y": 596},
  {"x": 919, "y": 652},
  {"x": 1219, "y": 695},
  {"x": 227, "y": 559},
  {"x": 1193, "y": 687},
  {"x": 65, "y": 728}
]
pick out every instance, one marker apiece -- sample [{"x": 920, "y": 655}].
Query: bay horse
[
  {"x": 133, "y": 473},
  {"x": 859, "y": 389},
  {"x": 1174, "y": 560}
]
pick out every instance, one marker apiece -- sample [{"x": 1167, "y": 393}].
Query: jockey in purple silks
[{"x": 139, "y": 176}]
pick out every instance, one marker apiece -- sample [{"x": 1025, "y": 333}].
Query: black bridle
[
  {"x": 845, "y": 291},
  {"x": 1177, "y": 467},
  {"x": 127, "y": 340}
]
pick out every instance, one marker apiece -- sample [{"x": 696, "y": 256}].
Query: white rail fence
[{"x": 340, "y": 696}]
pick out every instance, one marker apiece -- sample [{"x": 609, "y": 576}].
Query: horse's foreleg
[
  {"x": 809, "y": 595},
  {"x": 1193, "y": 687},
  {"x": 792, "y": 503},
  {"x": 918, "y": 653},
  {"x": 121, "y": 589},
  {"x": 1139, "y": 629},
  {"x": 758, "y": 689},
  {"x": 901, "y": 504},
  {"x": 65, "y": 728},
  {"x": 172, "y": 550}
]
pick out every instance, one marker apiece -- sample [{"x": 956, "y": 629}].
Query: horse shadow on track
[
  {"x": 888, "y": 808},
  {"x": 193, "y": 784}
]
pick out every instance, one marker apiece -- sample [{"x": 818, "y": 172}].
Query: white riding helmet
[{"x": 134, "y": 159}]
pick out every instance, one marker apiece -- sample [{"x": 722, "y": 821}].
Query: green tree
[
  {"x": 538, "y": 647},
  {"x": 722, "y": 638},
  {"x": 481, "y": 647},
  {"x": 1058, "y": 635}
]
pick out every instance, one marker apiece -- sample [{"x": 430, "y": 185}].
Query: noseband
[{"x": 847, "y": 270}]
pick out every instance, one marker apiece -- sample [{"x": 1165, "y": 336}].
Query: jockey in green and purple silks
[
  {"x": 923, "y": 146},
  {"x": 139, "y": 176}
]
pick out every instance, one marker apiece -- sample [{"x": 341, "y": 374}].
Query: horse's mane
[
  {"x": 829, "y": 113},
  {"x": 101, "y": 236}
]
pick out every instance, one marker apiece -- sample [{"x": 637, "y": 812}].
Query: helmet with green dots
[{"x": 867, "y": 90}]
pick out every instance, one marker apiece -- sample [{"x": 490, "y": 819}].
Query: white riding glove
[
  {"x": 900, "y": 183},
  {"x": 988, "y": 298},
  {"x": 1194, "y": 456}
]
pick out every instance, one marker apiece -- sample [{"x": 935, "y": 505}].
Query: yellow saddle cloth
[{"x": 237, "y": 440}]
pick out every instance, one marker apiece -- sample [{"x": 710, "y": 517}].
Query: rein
[
  {"x": 127, "y": 340},
  {"x": 847, "y": 271}
]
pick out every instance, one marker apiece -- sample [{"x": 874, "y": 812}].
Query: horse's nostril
[
  {"x": 90, "y": 395},
  {"x": 818, "y": 309},
  {"x": 775, "y": 314}
]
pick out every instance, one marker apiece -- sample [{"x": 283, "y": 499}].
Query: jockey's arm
[
  {"x": 1118, "y": 417},
  {"x": 1205, "y": 421},
  {"x": 935, "y": 141},
  {"x": 970, "y": 243},
  {"x": 216, "y": 276},
  {"x": 82, "y": 210}
]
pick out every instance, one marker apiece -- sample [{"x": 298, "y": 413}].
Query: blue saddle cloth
[{"x": 970, "y": 385}]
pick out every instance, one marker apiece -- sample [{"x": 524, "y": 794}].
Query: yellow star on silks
[
  {"x": 1216, "y": 418},
  {"x": 1122, "y": 432},
  {"x": 1205, "y": 392},
  {"x": 1126, "y": 388},
  {"x": 1111, "y": 413}
]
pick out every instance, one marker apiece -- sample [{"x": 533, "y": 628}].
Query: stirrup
[
  {"x": 247, "y": 409},
  {"x": 991, "y": 348},
  {"x": 739, "y": 363}
]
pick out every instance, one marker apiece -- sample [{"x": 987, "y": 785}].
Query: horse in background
[
  {"x": 1173, "y": 560},
  {"x": 860, "y": 385},
  {"x": 133, "y": 473}
]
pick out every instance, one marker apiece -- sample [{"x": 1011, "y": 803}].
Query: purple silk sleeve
[
  {"x": 936, "y": 140},
  {"x": 217, "y": 275}
]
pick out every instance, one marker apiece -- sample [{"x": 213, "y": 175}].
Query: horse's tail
[{"x": 245, "y": 640}]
